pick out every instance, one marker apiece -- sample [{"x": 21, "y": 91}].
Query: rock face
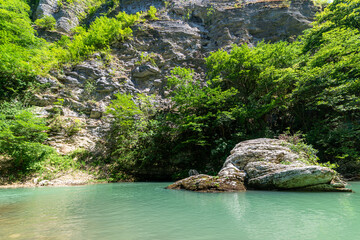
[
  {"x": 185, "y": 33},
  {"x": 46, "y": 8},
  {"x": 67, "y": 15},
  {"x": 267, "y": 164}
]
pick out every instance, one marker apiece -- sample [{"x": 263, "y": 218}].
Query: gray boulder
[
  {"x": 277, "y": 176},
  {"x": 46, "y": 8},
  {"x": 271, "y": 164},
  {"x": 145, "y": 71},
  {"x": 67, "y": 15}
]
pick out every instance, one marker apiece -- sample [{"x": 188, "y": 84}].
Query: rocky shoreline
[
  {"x": 258, "y": 164},
  {"x": 74, "y": 178}
]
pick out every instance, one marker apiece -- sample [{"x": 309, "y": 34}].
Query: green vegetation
[
  {"x": 210, "y": 11},
  {"x": 47, "y": 23},
  {"x": 22, "y": 135},
  {"x": 101, "y": 34},
  {"x": 16, "y": 47},
  {"x": 152, "y": 13},
  {"x": 131, "y": 133},
  {"x": 147, "y": 58},
  {"x": 307, "y": 153}
]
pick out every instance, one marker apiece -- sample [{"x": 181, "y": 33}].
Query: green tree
[
  {"x": 21, "y": 136},
  {"x": 131, "y": 120},
  {"x": 201, "y": 114}
]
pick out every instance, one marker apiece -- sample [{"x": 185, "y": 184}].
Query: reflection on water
[
  {"x": 236, "y": 205},
  {"x": 148, "y": 211}
]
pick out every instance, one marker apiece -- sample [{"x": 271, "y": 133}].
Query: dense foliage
[{"x": 16, "y": 39}]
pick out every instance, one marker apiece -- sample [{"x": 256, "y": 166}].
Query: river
[{"x": 134, "y": 211}]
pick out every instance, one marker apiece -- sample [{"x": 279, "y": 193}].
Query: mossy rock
[{"x": 206, "y": 183}]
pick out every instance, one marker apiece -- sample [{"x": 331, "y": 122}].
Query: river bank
[{"x": 69, "y": 178}]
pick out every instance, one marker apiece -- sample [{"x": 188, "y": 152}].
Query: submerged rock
[{"x": 267, "y": 164}]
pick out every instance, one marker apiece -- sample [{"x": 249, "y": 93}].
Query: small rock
[
  {"x": 144, "y": 71},
  {"x": 36, "y": 180},
  {"x": 193, "y": 172},
  {"x": 45, "y": 183},
  {"x": 95, "y": 114}
]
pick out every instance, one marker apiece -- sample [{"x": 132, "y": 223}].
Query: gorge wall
[{"x": 185, "y": 33}]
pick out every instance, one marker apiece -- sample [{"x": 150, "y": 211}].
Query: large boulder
[
  {"x": 268, "y": 164},
  {"x": 272, "y": 164},
  {"x": 265, "y": 175}
]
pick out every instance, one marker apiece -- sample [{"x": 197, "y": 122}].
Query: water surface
[{"x": 143, "y": 211}]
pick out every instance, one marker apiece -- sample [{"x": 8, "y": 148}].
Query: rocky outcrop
[
  {"x": 228, "y": 22},
  {"x": 267, "y": 164},
  {"x": 185, "y": 33},
  {"x": 68, "y": 179},
  {"x": 271, "y": 164},
  {"x": 67, "y": 14},
  {"x": 46, "y": 8}
]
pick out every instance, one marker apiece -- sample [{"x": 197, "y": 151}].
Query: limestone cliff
[{"x": 185, "y": 33}]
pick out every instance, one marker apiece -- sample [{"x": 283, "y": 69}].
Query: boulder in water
[
  {"x": 231, "y": 182},
  {"x": 268, "y": 164}
]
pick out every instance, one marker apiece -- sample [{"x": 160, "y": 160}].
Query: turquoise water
[{"x": 143, "y": 211}]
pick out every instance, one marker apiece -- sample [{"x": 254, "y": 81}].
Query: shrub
[
  {"x": 102, "y": 33},
  {"x": 47, "y": 22},
  {"x": 105, "y": 31},
  {"x": 22, "y": 54},
  {"x": 152, "y": 13},
  {"x": 22, "y": 136}
]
